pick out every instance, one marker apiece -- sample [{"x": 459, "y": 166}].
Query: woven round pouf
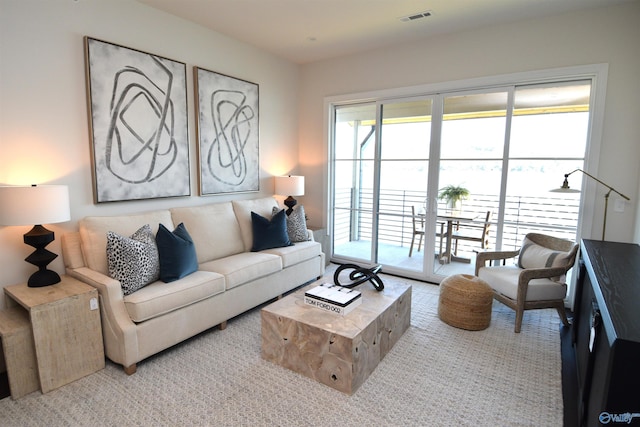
[{"x": 465, "y": 302}]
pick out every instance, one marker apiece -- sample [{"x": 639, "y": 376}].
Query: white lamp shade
[
  {"x": 290, "y": 185},
  {"x": 34, "y": 205},
  {"x": 564, "y": 190}
]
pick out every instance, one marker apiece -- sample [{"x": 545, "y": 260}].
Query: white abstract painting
[
  {"x": 139, "y": 125},
  {"x": 228, "y": 133}
]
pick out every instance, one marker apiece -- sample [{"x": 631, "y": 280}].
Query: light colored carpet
[{"x": 436, "y": 375}]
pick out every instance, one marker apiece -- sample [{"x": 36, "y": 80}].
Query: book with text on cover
[{"x": 335, "y": 299}]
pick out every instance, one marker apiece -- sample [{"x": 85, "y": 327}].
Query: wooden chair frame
[
  {"x": 481, "y": 236},
  {"x": 521, "y": 304},
  {"x": 420, "y": 232},
  {"x": 416, "y": 231}
]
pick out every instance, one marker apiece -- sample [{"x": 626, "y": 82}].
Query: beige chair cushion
[
  {"x": 504, "y": 280},
  {"x": 93, "y": 233},
  {"x": 244, "y": 267},
  {"x": 213, "y": 228},
  {"x": 297, "y": 253},
  {"x": 159, "y": 298},
  {"x": 243, "y": 209}
]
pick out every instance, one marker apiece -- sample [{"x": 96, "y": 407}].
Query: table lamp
[
  {"x": 36, "y": 204},
  {"x": 564, "y": 188},
  {"x": 290, "y": 186}
]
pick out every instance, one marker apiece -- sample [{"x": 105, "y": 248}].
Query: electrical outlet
[
  {"x": 618, "y": 205},
  {"x": 93, "y": 303}
]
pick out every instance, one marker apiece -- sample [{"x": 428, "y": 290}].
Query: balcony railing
[{"x": 550, "y": 214}]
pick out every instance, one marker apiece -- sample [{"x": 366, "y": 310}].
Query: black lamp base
[
  {"x": 43, "y": 278},
  {"x": 39, "y": 237},
  {"x": 290, "y": 202}
]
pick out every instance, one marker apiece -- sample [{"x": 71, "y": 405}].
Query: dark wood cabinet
[{"x": 607, "y": 333}]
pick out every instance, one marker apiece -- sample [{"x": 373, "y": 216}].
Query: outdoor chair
[
  {"x": 473, "y": 233},
  {"x": 538, "y": 278},
  {"x": 417, "y": 222},
  {"x": 418, "y": 230}
]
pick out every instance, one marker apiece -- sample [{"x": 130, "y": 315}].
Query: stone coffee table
[{"x": 338, "y": 351}]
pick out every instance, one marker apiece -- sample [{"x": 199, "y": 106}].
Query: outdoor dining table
[{"x": 452, "y": 220}]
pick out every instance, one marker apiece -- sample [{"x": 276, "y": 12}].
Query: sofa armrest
[{"x": 117, "y": 326}]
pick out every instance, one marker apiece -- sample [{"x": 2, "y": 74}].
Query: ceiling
[{"x": 304, "y": 31}]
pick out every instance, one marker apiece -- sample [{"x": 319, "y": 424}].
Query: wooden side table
[
  {"x": 19, "y": 351},
  {"x": 65, "y": 324}
]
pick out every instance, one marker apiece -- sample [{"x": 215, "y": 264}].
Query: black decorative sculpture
[{"x": 360, "y": 275}]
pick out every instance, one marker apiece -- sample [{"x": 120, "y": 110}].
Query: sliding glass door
[
  {"x": 395, "y": 161},
  {"x": 405, "y": 143},
  {"x": 471, "y": 160},
  {"x": 353, "y": 176},
  {"x": 381, "y": 165}
]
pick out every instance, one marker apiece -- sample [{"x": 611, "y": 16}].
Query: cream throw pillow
[{"x": 533, "y": 255}]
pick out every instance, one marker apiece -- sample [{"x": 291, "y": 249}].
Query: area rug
[{"x": 436, "y": 375}]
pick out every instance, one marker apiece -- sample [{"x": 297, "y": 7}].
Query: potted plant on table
[{"x": 453, "y": 194}]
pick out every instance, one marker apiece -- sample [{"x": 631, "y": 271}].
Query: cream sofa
[{"x": 230, "y": 278}]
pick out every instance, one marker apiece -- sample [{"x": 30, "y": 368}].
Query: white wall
[
  {"x": 44, "y": 136},
  {"x": 44, "y": 133},
  {"x": 609, "y": 35}
]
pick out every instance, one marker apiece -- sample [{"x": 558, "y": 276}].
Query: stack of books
[{"x": 335, "y": 299}]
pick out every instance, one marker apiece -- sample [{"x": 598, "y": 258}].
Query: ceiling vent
[{"x": 416, "y": 16}]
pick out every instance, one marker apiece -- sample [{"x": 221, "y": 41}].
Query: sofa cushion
[
  {"x": 504, "y": 279},
  {"x": 159, "y": 298},
  {"x": 296, "y": 224},
  {"x": 93, "y": 233},
  {"x": 214, "y": 230},
  {"x": 177, "y": 253},
  {"x": 244, "y": 267},
  {"x": 292, "y": 255},
  {"x": 269, "y": 233},
  {"x": 243, "y": 209},
  {"x": 133, "y": 261}
]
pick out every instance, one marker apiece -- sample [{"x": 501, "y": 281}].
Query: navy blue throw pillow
[
  {"x": 268, "y": 234},
  {"x": 177, "y": 253}
]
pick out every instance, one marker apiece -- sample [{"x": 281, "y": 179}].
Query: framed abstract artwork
[
  {"x": 138, "y": 123},
  {"x": 228, "y": 133}
]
